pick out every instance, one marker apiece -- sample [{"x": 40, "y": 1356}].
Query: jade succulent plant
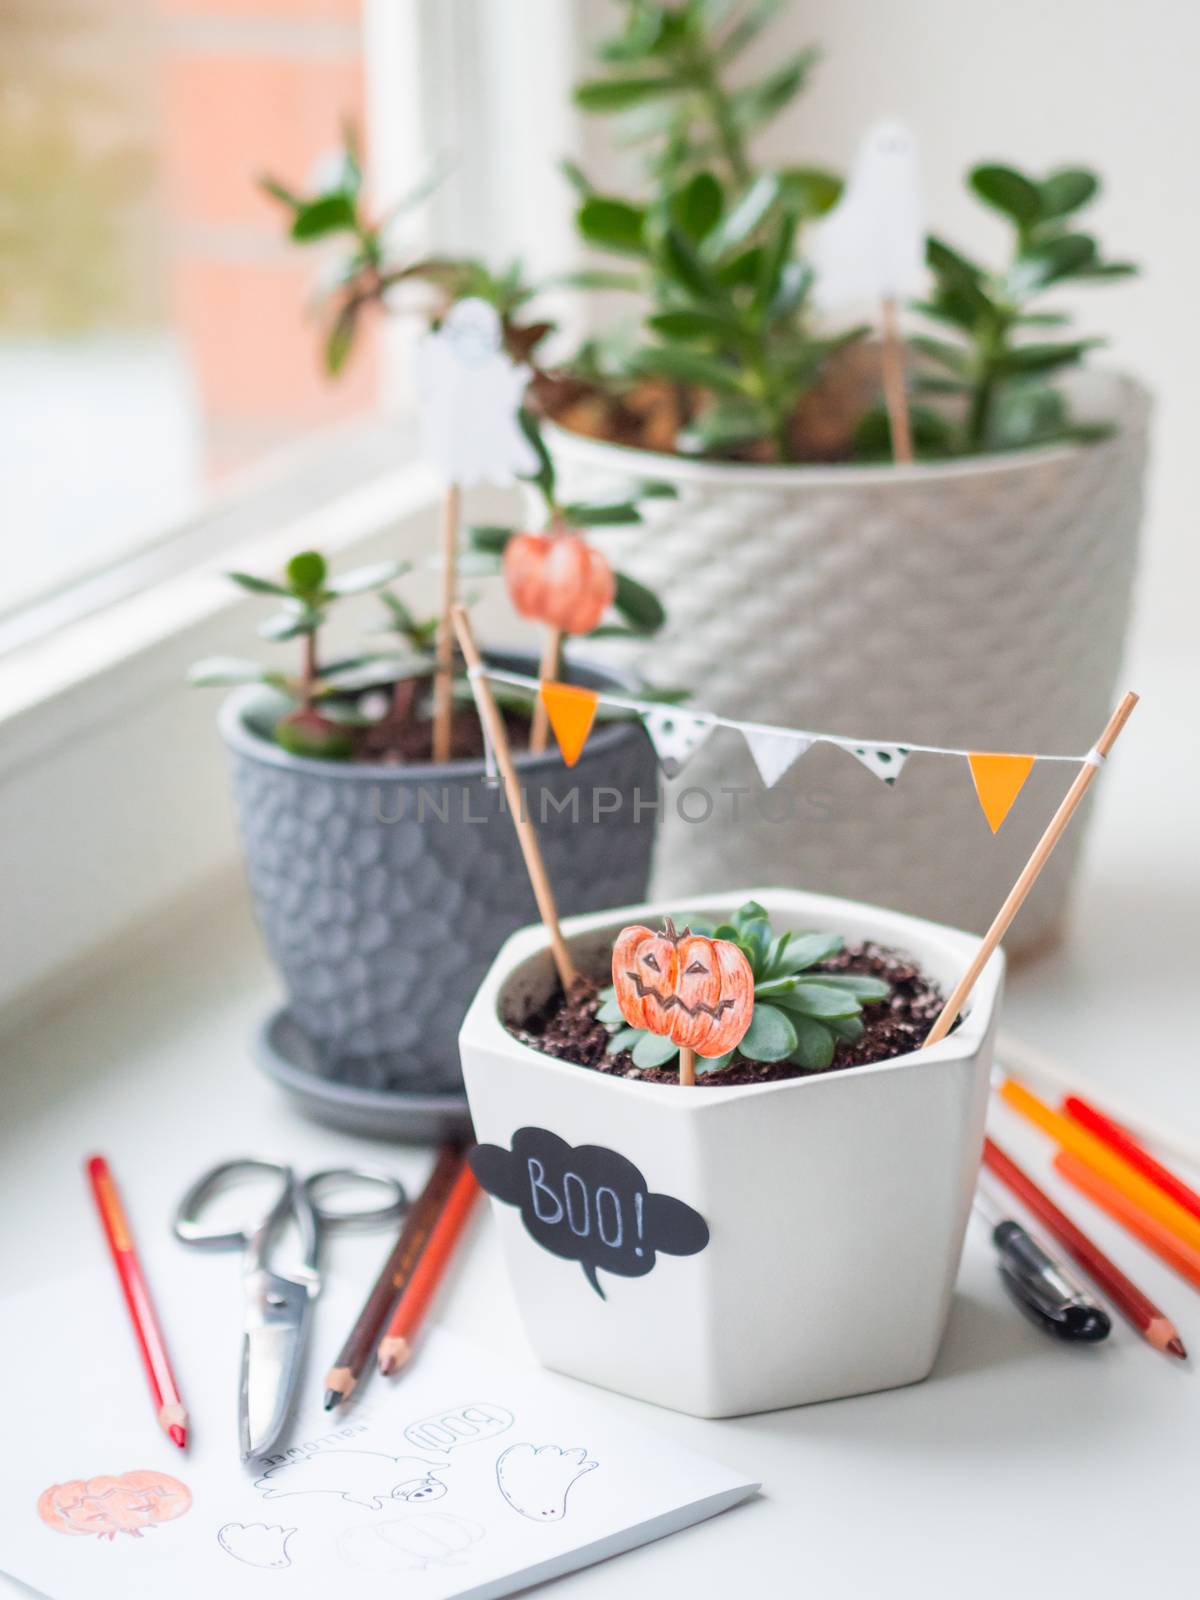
[
  {"x": 725, "y": 356},
  {"x": 800, "y": 1013}
]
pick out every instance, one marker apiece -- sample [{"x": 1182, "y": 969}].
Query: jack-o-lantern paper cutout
[
  {"x": 558, "y": 578},
  {"x": 698, "y": 992},
  {"x": 106, "y": 1506}
]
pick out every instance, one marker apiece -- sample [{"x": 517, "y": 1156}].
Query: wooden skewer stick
[
  {"x": 494, "y": 731},
  {"x": 1029, "y": 873},
  {"x": 443, "y": 688},
  {"x": 548, "y": 671},
  {"x": 895, "y": 392},
  {"x": 687, "y": 1065}
]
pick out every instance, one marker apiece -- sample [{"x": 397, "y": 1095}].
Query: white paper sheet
[{"x": 464, "y": 1477}]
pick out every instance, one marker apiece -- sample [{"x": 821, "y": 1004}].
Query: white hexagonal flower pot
[{"x": 833, "y": 1207}]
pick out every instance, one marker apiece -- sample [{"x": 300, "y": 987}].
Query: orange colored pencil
[
  {"x": 1079, "y": 1142},
  {"x": 395, "y": 1347},
  {"x": 172, "y": 1417},
  {"x": 1127, "y": 1147},
  {"x": 1132, "y": 1218}
]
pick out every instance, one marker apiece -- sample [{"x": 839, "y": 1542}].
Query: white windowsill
[{"x": 113, "y": 794}]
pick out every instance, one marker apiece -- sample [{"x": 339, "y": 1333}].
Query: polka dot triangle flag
[
  {"x": 676, "y": 735},
  {"x": 886, "y": 761}
]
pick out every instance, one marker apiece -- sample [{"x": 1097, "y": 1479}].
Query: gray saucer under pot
[{"x": 383, "y": 893}]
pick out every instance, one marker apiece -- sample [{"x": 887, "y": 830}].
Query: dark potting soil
[
  {"x": 411, "y": 741},
  {"x": 566, "y": 1026}
]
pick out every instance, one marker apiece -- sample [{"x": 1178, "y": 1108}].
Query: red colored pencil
[
  {"x": 172, "y": 1417},
  {"x": 396, "y": 1345},
  {"x": 1128, "y": 1148},
  {"x": 1129, "y": 1300}
]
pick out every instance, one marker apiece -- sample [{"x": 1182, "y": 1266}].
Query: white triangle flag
[
  {"x": 676, "y": 736},
  {"x": 886, "y": 761},
  {"x": 774, "y": 751}
]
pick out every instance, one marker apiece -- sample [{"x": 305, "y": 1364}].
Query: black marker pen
[{"x": 1041, "y": 1286}]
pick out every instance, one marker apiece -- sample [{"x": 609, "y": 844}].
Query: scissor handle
[
  {"x": 320, "y": 1185},
  {"x": 186, "y": 1224}
]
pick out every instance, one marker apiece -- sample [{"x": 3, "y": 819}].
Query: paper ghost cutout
[
  {"x": 470, "y": 393},
  {"x": 536, "y": 1480},
  {"x": 871, "y": 246}
]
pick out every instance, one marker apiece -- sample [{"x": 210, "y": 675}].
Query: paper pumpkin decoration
[
  {"x": 470, "y": 395},
  {"x": 699, "y": 992},
  {"x": 559, "y": 579},
  {"x": 871, "y": 246}
]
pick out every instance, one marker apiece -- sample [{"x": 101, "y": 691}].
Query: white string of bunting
[{"x": 677, "y": 733}]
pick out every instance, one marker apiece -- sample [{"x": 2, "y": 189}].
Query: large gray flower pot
[
  {"x": 979, "y": 603},
  {"x": 383, "y": 893}
]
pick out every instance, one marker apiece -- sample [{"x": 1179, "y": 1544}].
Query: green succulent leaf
[
  {"x": 623, "y": 1039},
  {"x": 770, "y": 1036},
  {"x": 618, "y": 94},
  {"x": 821, "y": 1000},
  {"x": 815, "y": 1044},
  {"x": 1067, "y": 190},
  {"x": 614, "y": 514},
  {"x": 361, "y": 580},
  {"x": 807, "y": 949},
  {"x": 640, "y": 606},
  {"x": 316, "y": 219},
  {"x": 256, "y": 585},
  {"x": 1009, "y": 191},
  {"x": 653, "y": 1050},
  {"x": 228, "y": 671},
  {"x": 306, "y": 574},
  {"x": 613, "y": 224}
]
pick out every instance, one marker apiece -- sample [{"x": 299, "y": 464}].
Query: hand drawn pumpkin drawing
[
  {"x": 698, "y": 992},
  {"x": 106, "y": 1506},
  {"x": 558, "y": 578}
]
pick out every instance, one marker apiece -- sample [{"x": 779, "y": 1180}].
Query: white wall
[{"x": 1111, "y": 84}]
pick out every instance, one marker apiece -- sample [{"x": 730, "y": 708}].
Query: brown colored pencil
[
  {"x": 422, "y": 1216},
  {"x": 1153, "y": 1325},
  {"x": 396, "y": 1346}
]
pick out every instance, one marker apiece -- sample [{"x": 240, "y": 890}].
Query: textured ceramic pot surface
[
  {"x": 835, "y": 1205},
  {"x": 979, "y": 603},
  {"x": 383, "y": 893}
]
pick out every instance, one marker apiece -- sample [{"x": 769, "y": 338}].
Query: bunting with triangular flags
[
  {"x": 676, "y": 735},
  {"x": 774, "y": 751},
  {"x": 571, "y": 711},
  {"x": 886, "y": 761},
  {"x": 999, "y": 779}
]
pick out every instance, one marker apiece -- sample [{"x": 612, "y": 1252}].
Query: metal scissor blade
[{"x": 276, "y": 1314}]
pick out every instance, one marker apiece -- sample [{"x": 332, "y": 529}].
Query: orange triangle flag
[
  {"x": 571, "y": 711},
  {"x": 998, "y": 782}
]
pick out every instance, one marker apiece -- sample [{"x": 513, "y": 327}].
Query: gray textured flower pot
[
  {"x": 979, "y": 603},
  {"x": 383, "y": 893}
]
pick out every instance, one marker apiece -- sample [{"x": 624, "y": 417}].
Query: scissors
[{"x": 277, "y": 1306}]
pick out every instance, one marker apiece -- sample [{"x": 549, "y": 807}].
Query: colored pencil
[
  {"x": 1152, "y": 1234},
  {"x": 172, "y": 1417},
  {"x": 1069, "y": 1135},
  {"x": 1129, "y": 1300},
  {"x": 398, "y": 1269},
  {"x": 1126, "y": 1146},
  {"x": 1035, "y": 1066},
  {"x": 396, "y": 1346}
]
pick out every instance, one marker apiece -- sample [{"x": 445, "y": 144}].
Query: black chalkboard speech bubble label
[{"x": 587, "y": 1204}]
